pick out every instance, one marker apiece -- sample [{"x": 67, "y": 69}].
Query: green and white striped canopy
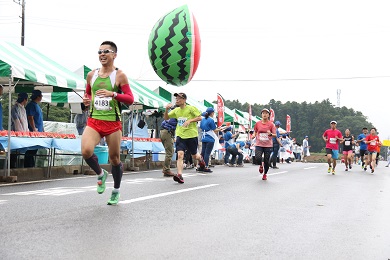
[
  {"x": 146, "y": 97},
  {"x": 142, "y": 96},
  {"x": 169, "y": 96},
  {"x": 62, "y": 98},
  {"x": 32, "y": 67},
  {"x": 228, "y": 113},
  {"x": 245, "y": 115}
]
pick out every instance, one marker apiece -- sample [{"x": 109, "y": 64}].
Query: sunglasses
[{"x": 105, "y": 51}]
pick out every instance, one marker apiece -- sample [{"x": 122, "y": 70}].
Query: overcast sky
[{"x": 284, "y": 50}]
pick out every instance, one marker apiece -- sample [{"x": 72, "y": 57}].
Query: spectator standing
[
  {"x": 221, "y": 143},
  {"x": 285, "y": 149},
  {"x": 299, "y": 152},
  {"x": 210, "y": 140},
  {"x": 305, "y": 148},
  {"x": 81, "y": 119},
  {"x": 276, "y": 144},
  {"x": 18, "y": 114},
  {"x": 18, "y": 121},
  {"x": 35, "y": 124},
  {"x": 167, "y": 134},
  {"x": 332, "y": 137}
]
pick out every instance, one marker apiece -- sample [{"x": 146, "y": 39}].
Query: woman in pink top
[
  {"x": 372, "y": 141},
  {"x": 264, "y": 131}
]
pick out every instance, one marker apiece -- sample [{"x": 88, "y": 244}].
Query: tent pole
[
  {"x": 132, "y": 168},
  {"x": 47, "y": 112},
  {"x": 8, "y": 173},
  {"x": 132, "y": 136}
]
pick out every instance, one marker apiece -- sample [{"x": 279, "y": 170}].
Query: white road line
[
  {"x": 308, "y": 168},
  {"x": 166, "y": 194},
  {"x": 276, "y": 173},
  {"x": 2, "y": 202},
  {"x": 42, "y": 181},
  {"x": 54, "y": 191},
  {"x": 142, "y": 180}
]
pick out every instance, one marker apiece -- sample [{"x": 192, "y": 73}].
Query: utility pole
[
  {"x": 338, "y": 97},
  {"x": 23, "y": 4}
]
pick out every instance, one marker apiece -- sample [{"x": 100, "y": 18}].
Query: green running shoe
[
  {"x": 114, "y": 198},
  {"x": 329, "y": 169},
  {"x": 101, "y": 183}
]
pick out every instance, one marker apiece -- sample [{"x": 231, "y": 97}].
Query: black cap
[{"x": 182, "y": 95}]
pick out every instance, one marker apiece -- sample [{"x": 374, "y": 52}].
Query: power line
[{"x": 268, "y": 80}]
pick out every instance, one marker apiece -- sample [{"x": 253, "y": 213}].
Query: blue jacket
[
  {"x": 169, "y": 124},
  {"x": 234, "y": 145}
]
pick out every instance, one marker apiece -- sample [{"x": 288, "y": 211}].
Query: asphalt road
[{"x": 300, "y": 212}]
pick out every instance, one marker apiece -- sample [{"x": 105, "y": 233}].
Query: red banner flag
[
  {"x": 272, "y": 115},
  {"x": 250, "y": 116},
  {"x": 288, "y": 124},
  {"x": 220, "y": 110}
]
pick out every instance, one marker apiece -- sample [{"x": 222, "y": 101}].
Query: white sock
[
  {"x": 101, "y": 174},
  {"x": 115, "y": 190}
]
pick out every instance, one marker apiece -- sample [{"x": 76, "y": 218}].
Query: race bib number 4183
[{"x": 102, "y": 103}]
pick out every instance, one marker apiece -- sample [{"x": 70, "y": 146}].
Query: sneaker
[
  {"x": 365, "y": 168},
  {"x": 261, "y": 170},
  {"x": 200, "y": 169},
  {"x": 264, "y": 177},
  {"x": 329, "y": 169},
  {"x": 101, "y": 183},
  {"x": 350, "y": 166},
  {"x": 178, "y": 178},
  {"x": 275, "y": 167},
  {"x": 346, "y": 169},
  {"x": 114, "y": 198},
  {"x": 333, "y": 171},
  {"x": 207, "y": 170},
  {"x": 372, "y": 170},
  {"x": 240, "y": 165},
  {"x": 232, "y": 165},
  {"x": 168, "y": 173}
]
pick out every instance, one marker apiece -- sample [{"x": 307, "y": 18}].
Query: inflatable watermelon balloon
[{"x": 174, "y": 47}]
